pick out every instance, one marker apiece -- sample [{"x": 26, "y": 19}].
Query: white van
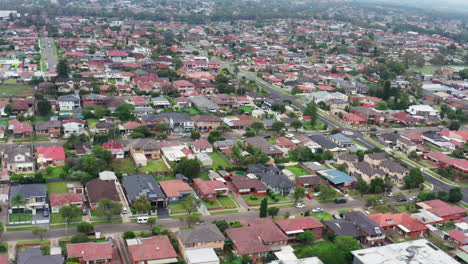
[{"x": 142, "y": 220}]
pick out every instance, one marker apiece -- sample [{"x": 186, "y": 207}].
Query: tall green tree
[
  {"x": 455, "y": 195},
  {"x": 311, "y": 111},
  {"x": 264, "y": 208},
  {"x": 68, "y": 212},
  {"x": 63, "y": 70},
  {"x": 124, "y": 112},
  {"x": 414, "y": 179},
  {"x": 44, "y": 108},
  {"x": 190, "y": 168},
  {"x": 298, "y": 194},
  {"x": 109, "y": 208},
  {"x": 142, "y": 204}
]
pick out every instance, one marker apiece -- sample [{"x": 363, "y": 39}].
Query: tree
[
  {"x": 221, "y": 225},
  {"x": 190, "y": 204},
  {"x": 68, "y": 212},
  {"x": 311, "y": 111},
  {"x": 273, "y": 211},
  {"x": 102, "y": 154},
  {"x": 277, "y": 126},
  {"x": 195, "y": 135},
  {"x": 454, "y": 125},
  {"x": 151, "y": 221},
  {"x": 360, "y": 153},
  {"x": 326, "y": 192},
  {"x": 108, "y": 208},
  {"x": 39, "y": 231},
  {"x": 298, "y": 194},
  {"x": 455, "y": 195},
  {"x": 90, "y": 164},
  {"x": 142, "y": 204},
  {"x": 85, "y": 228},
  {"x": 63, "y": 71},
  {"x": 463, "y": 74},
  {"x": 190, "y": 168},
  {"x": 264, "y": 208},
  {"x": 44, "y": 108},
  {"x": 347, "y": 244},
  {"x": 8, "y": 109},
  {"x": 124, "y": 112},
  {"x": 296, "y": 124},
  {"x": 362, "y": 187},
  {"x": 387, "y": 90},
  {"x": 129, "y": 235},
  {"x": 79, "y": 238},
  {"x": 414, "y": 179},
  {"x": 18, "y": 201},
  {"x": 306, "y": 237},
  {"x": 257, "y": 126},
  {"x": 327, "y": 155},
  {"x": 191, "y": 219}
]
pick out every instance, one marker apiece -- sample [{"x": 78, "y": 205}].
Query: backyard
[
  {"x": 124, "y": 165},
  {"x": 154, "y": 166},
  {"x": 218, "y": 160},
  {"x": 57, "y": 187},
  {"x": 223, "y": 202},
  {"x": 323, "y": 216},
  {"x": 297, "y": 170},
  {"x": 55, "y": 172}
]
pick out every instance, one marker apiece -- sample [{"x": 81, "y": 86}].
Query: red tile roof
[
  {"x": 154, "y": 248},
  {"x": 112, "y": 145},
  {"x": 303, "y": 223},
  {"x": 90, "y": 251},
  {"x": 201, "y": 144},
  {"x": 389, "y": 220},
  {"x": 461, "y": 164},
  {"x": 442, "y": 209},
  {"x": 116, "y": 53},
  {"x": 131, "y": 125},
  {"x": 60, "y": 199},
  {"x": 172, "y": 188},
  {"x": 208, "y": 187},
  {"x": 52, "y": 152},
  {"x": 458, "y": 236}
]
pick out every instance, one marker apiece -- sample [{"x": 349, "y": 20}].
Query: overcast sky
[{"x": 453, "y": 5}]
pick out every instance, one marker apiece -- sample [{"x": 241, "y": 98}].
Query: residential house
[
  {"x": 375, "y": 158},
  {"x": 144, "y": 184},
  {"x": 201, "y": 256},
  {"x": 326, "y": 144},
  {"x": 155, "y": 249},
  {"x": 365, "y": 171},
  {"x": 443, "y": 210},
  {"x": 73, "y": 126},
  {"x": 239, "y": 122},
  {"x": 342, "y": 140},
  {"x": 104, "y": 127},
  {"x": 310, "y": 181},
  {"x": 444, "y": 161},
  {"x": 20, "y": 129},
  {"x": 293, "y": 227},
  {"x": 358, "y": 225},
  {"x": 49, "y": 129},
  {"x": 209, "y": 190},
  {"x": 69, "y": 102},
  {"x": 204, "y": 104},
  {"x": 184, "y": 87},
  {"x": 312, "y": 167},
  {"x": 406, "y": 146},
  {"x": 145, "y": 149},
  {"x": 202, "y": 146},
  {"x": 245, "y": 185},
  {"x": 57, "y": 200},
  {"x": 50, "y": 156},
  {"x": 206, "y": 123},
  {"x": 401, "y": 223},
  {"x": 98, "y": 189},
  {"x": 18, "y": 159},
  {"x": 116, "y": 148},
  {"x": 176, "y": 190},
  {"x": 34, "y": 194},
  {"x": 278, "y": 183},
  {"x": 91, "y": 252},
  {"x": 396, "y": 171},
  {"x": 337, "y": 178},
  {"x": 256, "y": 238},
  {"x": 346, "y": 158},
  {"x": 265, "y": 146},
  {"x": 422, "y": 110},
  {"x": 179, "y": 124},
  {"x": 161, "y": 102},
  {"x": 202, "y": 236}
]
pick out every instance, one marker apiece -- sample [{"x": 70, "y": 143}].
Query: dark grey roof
[
  {"x": 377, "y": 156},
  {"x": 34, "y": 256},
  {"x": 363, "y": 222},
  {"x": 311, "y": 180},
  {"x": 176, "y": 117},
  {"x": 393, "y": 166},
  {"x": 201, "y": 234},
  {"x": 324, "y": 142},
  {"x": 48, "y": 125},
  {"x": 28, "y": 190},
  {"x": 146, "y": 143},
  {"x": 12, "y": 151},
  {"x": 368, "y": 169},
  {"x": 342, "y": 227},
  {"x": 276, "y": 180},
  {"x": 69, "y": 97},
  {"x": 142, "y": 184},
  {"x": 263, "y": 145}
]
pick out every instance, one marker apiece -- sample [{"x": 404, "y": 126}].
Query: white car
[
  {"x": 317, "y": 210},
  {"x": 317, "y": 194},
  {"x": 300, "y": 205},
  {"x": 289, "y": 135},
  {"x": 390, "y": 194}
]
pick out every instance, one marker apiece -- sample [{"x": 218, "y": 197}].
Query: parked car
[
  {"x": 317, "y": 210},
  {"x": 124, "y": 211},
  {"x": 340, "y": 200},
  {"x": 403, "y": 199},
  {"x": 300, "y": 205},
  {"x": 45, "y": 213},
  {"x": 289, "y": 135},
  {"x": 317, "y": 194},
  {"x": 413, "y": 198},
  {"x": 390, "y": 194},
  {"x": 337, "y": 216},
  {"x": 309, "y": 196},
  {"x": 84, "y": 211},
  {"x": 142, "y": 220}
]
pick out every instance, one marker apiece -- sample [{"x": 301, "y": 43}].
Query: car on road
[
  {"x": 317, "y": 210},
  {"x": 390, "y": 194},
  {"x": 337, "y": 216},
  {"x": 413, "y": 198},
  {"x": 340, "y": 200},
  {"x": 300, "y": 205},
  {"x": 402, "y": 199},
  {"x": 142, "y": 220}
]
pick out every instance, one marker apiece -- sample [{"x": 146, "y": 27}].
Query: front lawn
[
  {"x": 56, "y": 218},
  {"x": 177, "y": 208},
  {"x": 57, "y": 187},
  {"x": 323, "y": 216},
  {"x": 55, "y": 173},
  {"x": 154, "y": 166},
  {"x": 254, "y": 200},
  {"x": 124, "y": 166},
  {"x": 3, "y": 247},
  {"x": 218, "y": 161},
  {"x": 20, "y": 217},
  {"x": 297, "y": 170},
  {"x": 319, "y": 125},
  {"x": 223, "y": 202},
  {"x": 246, "y": 109}
]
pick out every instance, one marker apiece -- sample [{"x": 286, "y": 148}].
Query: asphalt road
[
  {"x": 172, "y": 223},
  {"x": 49, "y": 54}
]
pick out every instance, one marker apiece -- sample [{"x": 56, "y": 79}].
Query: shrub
[
  {"x": 146, "y": 234},
  {"x": 79, "y": 238},
  {"x": 128, "y": 235}
]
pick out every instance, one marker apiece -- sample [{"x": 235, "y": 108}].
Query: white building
[
  {"x": 417, "y": 251},
  {"x": 323, "y": 96},
  {"x": 422, "y": 110},
  {"x": 201, "y": 256}
]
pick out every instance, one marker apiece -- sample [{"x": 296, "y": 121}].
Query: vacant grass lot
[
  {"x": 124, "y": 165},
  {"x": 57, "y": 187},
  {"x": 218, "y": 160},
  {"x": 154, "y": 166},
  {"x": 297, "y": 170},
  {"x": 224, "y": 202},
  {"x": 17, "y": 90}
]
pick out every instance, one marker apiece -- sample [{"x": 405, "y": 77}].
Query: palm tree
[{"x": 18, "y": 202}]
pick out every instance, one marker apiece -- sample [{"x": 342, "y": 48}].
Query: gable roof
[
  {"x": 173, "y": 188},
  {"x": 151, "y": 248},
  {"x": 292, "y": 225},
  {"x": 52, "y": 152},
  {"x": 442, "y": 209},
  {"x": 388, "y": 220},
  {"x": 201, "y": 234},
  {"x": 98, "y": 189},
  {"x": 28, "y": 190},
  {"x": 60, "y": 199},
  {"x": 142, "y": 184},
  {"x": 90, "y": 251}
]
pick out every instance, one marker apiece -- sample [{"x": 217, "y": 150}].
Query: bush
[
  {"x": 45, "y": 249},
  {"x": 146, "y": 234},
  {"x": 128, "y": 235},
  {"x": 253, "y": 198},
  {"x": 3, "y": 248},
  {"x": 79, "y": 238}
]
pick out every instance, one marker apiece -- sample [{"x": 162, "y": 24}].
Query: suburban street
[
  {"x": 171, "y": 223},
  {"x": 48, "y": 52}
]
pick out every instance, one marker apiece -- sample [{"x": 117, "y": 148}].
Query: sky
[{"x": 442, "y": 5}]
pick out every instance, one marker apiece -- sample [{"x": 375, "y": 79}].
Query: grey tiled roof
[
  {"x": 201, "y": 234},
  {"x": 142, "y": 184}
]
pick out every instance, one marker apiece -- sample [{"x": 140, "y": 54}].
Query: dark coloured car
[{"x": 340, "y": 200}]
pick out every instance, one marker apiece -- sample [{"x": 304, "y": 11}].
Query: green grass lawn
[
  {"x": 323, "y": 216},
  {"x": 204, "y": 176},
  {"x": 254, "y": 200},
  {"x": 124, "y": 165},
  {"x": 224, "y": 202},
  {"x": 10, "y": 81},
  {"x": 177, "y": 208},
  {"x": 154, "y": 166},
  {"x": 246, "y": 109},
  {"x": 297, "y": 170},
  {"x": 92, "y": 123},
  {"x": 426, "y": 163},
  {"x": 318, "y": 125},
  {"x": 4, "y": 245},
  {"x": 56, "y": 218},
  {"x": 218, "y": 160},
  {"x": 57, "y": 187},
  {"x": 20, "y": 217},
  {"x": 17, "y": 90},
  {"x": 433, "y": 148},
  {"x": 95, "y": 214},
  {"x": 55, "y": 173},
  {"x": 34, "y": 241}
]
